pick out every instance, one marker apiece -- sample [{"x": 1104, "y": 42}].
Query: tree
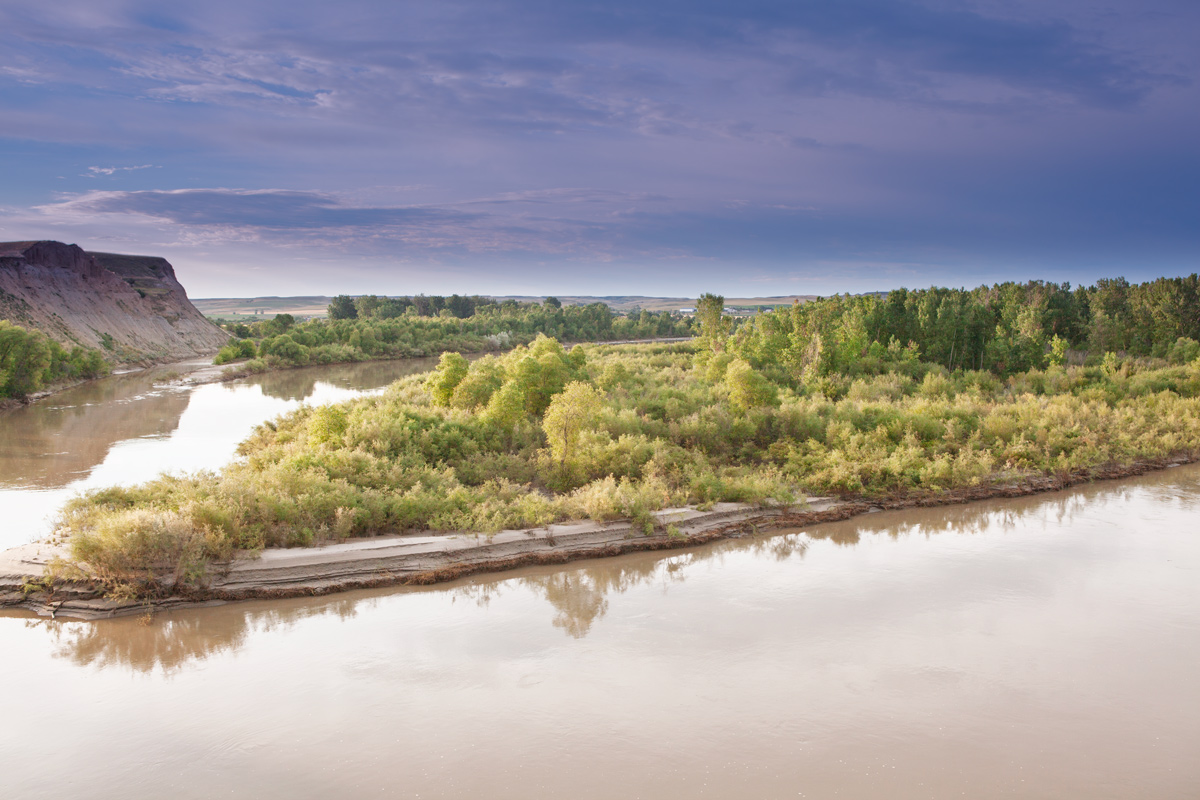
[
  {"x": 461, "y": 307},
  {"x": 367, "y": 305},
  {"x": 506, "y": 407},
  {"x": 24, "y": 357},
  {"x": 714, "y": 325},
  {"x": 477, "y": 388},
  {"x": 747, "y": 387},
  {"x": 342, "y": 307},
  {"x": 571, "y": 412},
  {"x": 442, "y": 382},
  {"x": 552, "y": 302}
]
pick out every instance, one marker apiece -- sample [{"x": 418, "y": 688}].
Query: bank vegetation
[
  {"x": 31, "y": 361},
  {"x": 370, "y": 327},
  {"x": 788, "y": 405}
]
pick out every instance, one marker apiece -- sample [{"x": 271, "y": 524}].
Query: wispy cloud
[{"x": 96, "y": 172}]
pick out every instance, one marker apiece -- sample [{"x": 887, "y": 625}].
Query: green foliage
[
  {"x": 342, "y": 307},
  {"x": 30, "y": 361},
  {"x": 327, "y": 425},
  {"x": 477, "y": 388},
  {"x": 525, "y": 438},
  {"x": 445, "y": 379},
  {"x": 1007, "y": 328},
  {"x": 1184, "y": 351},
  {"x": 747, "y": 387},
  {"x": 1057, "y": 356},
  {"x": 569, "y": 414},
  {"x": 373, "y": 327},
  {"x": 714, "y": 325},
  {"x": 614, "y": 375},
  {"x": 236, "y": 350}
]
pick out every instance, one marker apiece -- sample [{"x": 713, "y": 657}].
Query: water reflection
[
  {"x": 301, "y": 384},
  {"x": 168, "y": 642},
  {"x": 127, "y": 428},
  {"x": 51, "y": 443},
  {"x": 1047, "y": 645},
  {"x": 1179, "y": 486},
  {"x": 580, "y": 593}
]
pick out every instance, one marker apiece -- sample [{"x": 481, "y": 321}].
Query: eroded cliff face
[{"x": 131, "y": 307}]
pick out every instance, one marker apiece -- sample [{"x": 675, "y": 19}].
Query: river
[
  {"x": 1042, "y": 647},
  {"x": 126, "y": 429}
]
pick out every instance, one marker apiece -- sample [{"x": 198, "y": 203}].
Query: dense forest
[
  {"x": 1004, "y": 329},
  {"x": 371, "y": 327},
  {"x": 30, "y": 361}
]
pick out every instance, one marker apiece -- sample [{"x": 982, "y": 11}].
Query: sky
[{"x": 651, "y": 147}]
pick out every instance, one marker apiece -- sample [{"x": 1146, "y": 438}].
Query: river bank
[
  {"x": 243, "y": 369},
  {"x": 189, "y": 372},
  {"x": 433, "y": 558},
  {"x": 200, "y": 371}
]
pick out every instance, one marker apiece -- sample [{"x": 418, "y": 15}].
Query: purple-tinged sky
[{"x": 624, "y": 147}]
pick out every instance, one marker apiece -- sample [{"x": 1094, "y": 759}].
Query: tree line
[
  {"x": 30, "y": 360},
  {"x": 368, "y": 327},
  {"x": 1005, "y": 329}
]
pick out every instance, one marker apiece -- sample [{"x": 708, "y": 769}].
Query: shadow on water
[{"x": 579, "y": 593}]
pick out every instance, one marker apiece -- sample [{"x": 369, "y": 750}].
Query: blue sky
[{"x": 664, "y": 148}]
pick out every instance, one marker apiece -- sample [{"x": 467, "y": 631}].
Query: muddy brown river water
[
  {"x": 126, "y": 429},
  {"x": 1044, "y": 647}
]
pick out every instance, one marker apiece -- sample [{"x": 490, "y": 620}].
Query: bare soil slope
[{"x": 129, "y": 306}]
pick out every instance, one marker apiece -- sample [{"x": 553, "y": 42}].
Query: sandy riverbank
[{"x": 432, "y": 558}]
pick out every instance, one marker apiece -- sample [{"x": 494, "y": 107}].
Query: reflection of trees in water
[
  {"x": 168, "y": 642},
  {"x": 299, "y": 384},
  {"x": 52, "y": 442},
  {"x": 579, "y": 593},
  {"x": 292, "y": 384},
  {"x": 974, "y": 518}
]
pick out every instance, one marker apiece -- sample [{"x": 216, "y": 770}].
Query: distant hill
[
  {"x": 315, "y": 306},
  {"x": 132, "y": 307},
  {"x": 237, "y": 308}
]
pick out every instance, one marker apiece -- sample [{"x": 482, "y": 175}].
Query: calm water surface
[
  {"x": 1035, "y": 648},
  {"x": 128, "y": 428}
]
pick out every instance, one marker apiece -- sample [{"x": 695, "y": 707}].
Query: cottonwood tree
[
  {"x": 714, "y": 325},
  {"x": 570, "y": 413},
  {"x": 342, "y": 307},
  {"x": 442, "y": 382}
]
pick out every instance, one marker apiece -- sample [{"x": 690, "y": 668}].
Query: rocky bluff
[{"x": 131, "y": 307}]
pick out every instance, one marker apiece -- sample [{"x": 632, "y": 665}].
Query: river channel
[
  {"x": 126, "y": 429},
  {"x": 1042, "y": 647}
]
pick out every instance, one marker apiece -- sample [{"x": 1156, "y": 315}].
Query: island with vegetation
[
  {"x": 372, "y": 327},
  {"x": 928, "y": 396}
]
